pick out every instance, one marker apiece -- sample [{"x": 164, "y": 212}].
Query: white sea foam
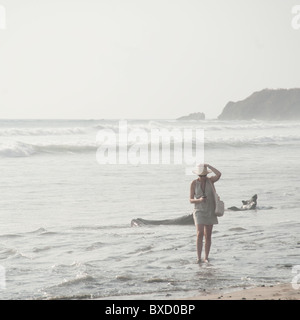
[
  {"x": 20, "y": 149},
  {"x": 17, "y": 149},
  {"x": 40, "y": 131}
]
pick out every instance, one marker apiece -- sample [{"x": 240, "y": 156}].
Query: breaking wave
[
  {"x": 8, "y": 132},
  {"x": 77, "y": 137},
  {"x": 22, "y": 149}
]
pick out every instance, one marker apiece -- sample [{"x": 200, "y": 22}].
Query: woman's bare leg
[
  {"x": 199, "y": 242},
  {"x": 207, "y": 234}
]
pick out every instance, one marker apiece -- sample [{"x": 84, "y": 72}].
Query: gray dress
[{"x": 204, "y": 212}]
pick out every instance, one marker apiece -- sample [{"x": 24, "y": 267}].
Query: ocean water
[{"x": 65, "y": 227}]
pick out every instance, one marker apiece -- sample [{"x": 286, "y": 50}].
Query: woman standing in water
[{"x": 202, "y": 195}]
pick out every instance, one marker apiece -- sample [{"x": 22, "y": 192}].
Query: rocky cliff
[{"x": 279, "y": 104}]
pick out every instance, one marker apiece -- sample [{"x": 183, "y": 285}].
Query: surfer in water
[{"x": 202, "y": 196}]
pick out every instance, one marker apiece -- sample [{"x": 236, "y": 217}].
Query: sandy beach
[{"x": 275, "y": 292}]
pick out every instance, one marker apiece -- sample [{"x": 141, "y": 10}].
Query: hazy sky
[{"x": 142, "y": 58}]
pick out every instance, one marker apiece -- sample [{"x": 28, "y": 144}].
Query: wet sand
[{"x": 276, "y": 292}]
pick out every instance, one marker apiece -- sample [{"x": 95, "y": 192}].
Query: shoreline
[{"x": 273, "y": 292}]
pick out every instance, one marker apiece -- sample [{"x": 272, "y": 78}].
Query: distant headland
[
  {"x": 268, "y": 104},
  {"x": 193, "y": 116}
]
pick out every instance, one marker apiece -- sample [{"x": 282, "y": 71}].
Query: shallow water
[{"x": 65, "y": 220}]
